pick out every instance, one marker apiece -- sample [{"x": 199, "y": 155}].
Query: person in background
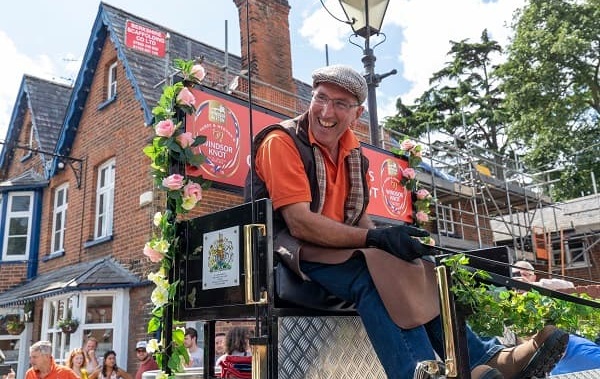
[
  {"x": 190, "y": 341},
  {"x": 109, "y": 368},
  {"x": 77, "y": 363},
  {"x": 581, "y": 354},
  {"x": 43, "y": 365},
  {"x": 323, "y": 185},
  {"x": 147, "y": 362},
  {"x": 523, "y": 270},
  {"x": 237, "y": 343},
  {"x": 220, "y": 345},
  {"x": 90, "y": 354}
]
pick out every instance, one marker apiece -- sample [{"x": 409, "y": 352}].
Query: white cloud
[
  {"x": 427, "y": 26},
  {"x": 320, "y": 29},
  {"x": 15, "y": 64}
]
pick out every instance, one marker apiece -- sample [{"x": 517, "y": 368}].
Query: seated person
[
  {"x": 237, "y": 343},
  {"x": 313, "y": 170}
]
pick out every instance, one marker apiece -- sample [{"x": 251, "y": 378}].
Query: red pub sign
[{"x": 144, "y": 39}]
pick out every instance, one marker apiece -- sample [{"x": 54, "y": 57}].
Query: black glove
[{"x": 398, "y": 241}]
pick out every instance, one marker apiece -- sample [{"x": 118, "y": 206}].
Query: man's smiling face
[{"x": 332, "y": 110}]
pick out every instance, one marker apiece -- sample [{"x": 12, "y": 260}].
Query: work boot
[{"x": 533, "y": 358}]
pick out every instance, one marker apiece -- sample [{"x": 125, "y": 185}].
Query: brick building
[{"x": 77, "y": 200}]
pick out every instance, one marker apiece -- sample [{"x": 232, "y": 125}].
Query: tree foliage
[
  {"x": 552, "y": 87},
  {"x": 542, "y": 103},
  {"x": 464, "y": 100}
]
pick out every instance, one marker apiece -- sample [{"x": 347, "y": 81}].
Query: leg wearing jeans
[{"x": 399, "y": 350}]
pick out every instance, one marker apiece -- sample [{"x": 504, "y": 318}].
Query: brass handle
[
  {"x": 248, "y": 266},
  {"x": 259, "y": 361},
  {"x": 447, "y": 321}
]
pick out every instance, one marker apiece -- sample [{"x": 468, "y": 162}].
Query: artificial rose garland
[
  {"x": 172, "y": 147},
  {"x": 422, "y": 199}
]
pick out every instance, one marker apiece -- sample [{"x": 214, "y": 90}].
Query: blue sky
[{"x": 47, "y": 38}]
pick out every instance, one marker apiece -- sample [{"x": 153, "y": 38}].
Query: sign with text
[
  {"x": 389, "y": 198},
  {"x": 225, "y": 124},
  {"x": 141, "y": 38}
]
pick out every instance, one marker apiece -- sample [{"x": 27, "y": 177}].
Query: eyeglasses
[
  {"x": 339, "y": 105},
  {"x": 140, "y": 350}
]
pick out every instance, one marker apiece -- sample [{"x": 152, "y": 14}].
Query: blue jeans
[{"x": 399, "y": 350}]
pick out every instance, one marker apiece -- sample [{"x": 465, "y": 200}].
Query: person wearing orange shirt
[
  {"x": 313, "y": 170},
  {"x": 43, "y": 365}
]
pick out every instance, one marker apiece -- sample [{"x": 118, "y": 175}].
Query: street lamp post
[{"x": 366, "y": 17}]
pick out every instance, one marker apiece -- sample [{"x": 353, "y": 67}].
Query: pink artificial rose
[
  {"x": 165, "y": 128},
  {"x": 407, "y": 145},
  {"x": 186, "y": 98},
  {"x": 198, "y": 72},
  {"x": 422, "y": 194},
  {"x": 193, "y": 190},
  {"x": 185, "y": 139},
  {"x": 409, "y": 173},
  {"x": 422, "y": 216},
  {"x": 153, "y": 255},
  {"x": 173, "y": 182}
]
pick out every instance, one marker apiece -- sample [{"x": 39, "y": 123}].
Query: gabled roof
[
  {"x": 47, "y": 101},
  {"x": 100, "y": 274},
  {"x": 146, "y": 73}
]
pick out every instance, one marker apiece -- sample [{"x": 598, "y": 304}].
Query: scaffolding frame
[{"x": 494, "y": 201}]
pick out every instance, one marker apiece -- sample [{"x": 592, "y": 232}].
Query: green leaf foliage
[
  {"x": 494, "y": 308},
  {"x": 552, "y": 87}
]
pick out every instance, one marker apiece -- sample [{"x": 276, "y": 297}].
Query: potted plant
[
  {"x": 68, "y": 324},
  {"x": 15, "y": 327}
]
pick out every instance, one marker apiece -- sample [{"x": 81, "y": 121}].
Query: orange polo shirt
[
  {"x": 279, "y": 165},
  {"x": 56, "y": 372}
]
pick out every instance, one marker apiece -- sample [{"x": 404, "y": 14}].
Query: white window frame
[
  {"x": 446, "y": 224},
  {"x": 58, "y": 231},
  {"x": 18, "y": 214},
  {"x": 105, "y": 194},
  {"x": 111, "y": 89},
  {"x": 63, "y": 343}
]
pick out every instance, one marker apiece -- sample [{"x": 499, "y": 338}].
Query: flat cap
[{"x": 343, "y": 76}]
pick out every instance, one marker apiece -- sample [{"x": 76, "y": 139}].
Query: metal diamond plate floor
[{"x": 326, "y": 347}]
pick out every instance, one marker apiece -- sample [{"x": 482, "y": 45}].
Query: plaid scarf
[{"x": 355, "y": 201}]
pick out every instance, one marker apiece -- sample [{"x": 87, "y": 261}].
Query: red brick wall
[{"x": 34, "y": 161}]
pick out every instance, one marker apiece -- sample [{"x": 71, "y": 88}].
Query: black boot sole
[{"x": 546, "y": 357}]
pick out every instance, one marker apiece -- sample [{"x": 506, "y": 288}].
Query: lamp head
[{"x": 366, "y": 15}]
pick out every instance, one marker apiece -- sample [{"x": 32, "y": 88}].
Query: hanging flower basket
[
  {"x": 15, "y": 327},
  {"x": 68, "y": 325}
]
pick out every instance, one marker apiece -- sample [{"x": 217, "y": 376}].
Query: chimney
[{"x": 270, "y": 50}]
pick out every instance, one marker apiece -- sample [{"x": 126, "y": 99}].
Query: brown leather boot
[
  {"x": 533, "y": 358},
  {"x": 485, "y": 372}
]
